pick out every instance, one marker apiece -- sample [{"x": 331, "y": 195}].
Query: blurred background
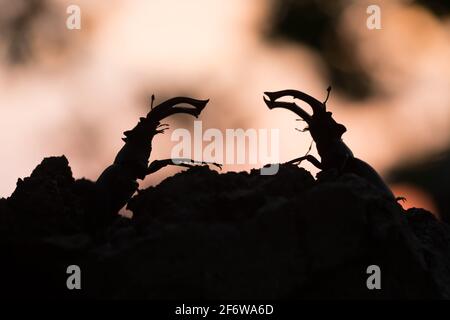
[{"x": 74, "y": 92}]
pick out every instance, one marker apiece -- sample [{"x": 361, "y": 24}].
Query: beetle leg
[
  {"x": 183, "y": 162},
  {"x": 192, "y": 163},
  {"x": 160, "y": 128},
  {"x": 309, "y": 158},
  {"x": 302, "y": 130}
]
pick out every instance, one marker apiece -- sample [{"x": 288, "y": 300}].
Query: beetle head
[{"x": 321, "y": 124}]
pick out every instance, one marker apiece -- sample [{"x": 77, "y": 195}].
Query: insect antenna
[
  {"x": 153, "y": 100},
  {"x": 328, "y": 95}
]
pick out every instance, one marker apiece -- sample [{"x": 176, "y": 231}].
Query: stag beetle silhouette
[
  {"x": 327, "y": 134},
  {"x": 118, "y": 182}
]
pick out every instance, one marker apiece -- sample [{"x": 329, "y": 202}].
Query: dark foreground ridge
[{"x": 201, "y": 234}]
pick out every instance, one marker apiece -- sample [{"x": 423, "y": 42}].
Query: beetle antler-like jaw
[
  {"x": 316, "y": 105},
  {"x": 290, "y": 106},
  {"x": 169, "y": 107}
]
